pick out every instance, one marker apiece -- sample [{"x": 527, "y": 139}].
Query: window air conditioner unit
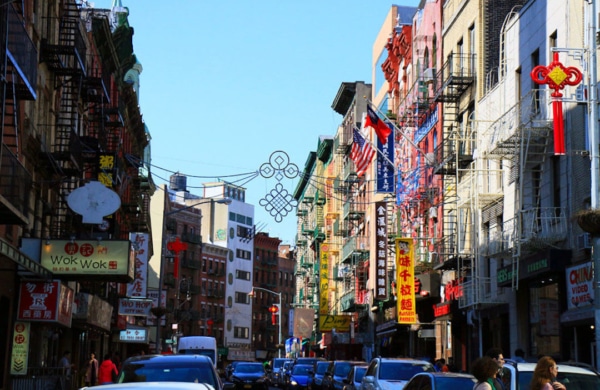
[{"x": 584, "y": 241}]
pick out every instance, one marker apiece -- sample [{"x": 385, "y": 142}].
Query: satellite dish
[{"x": 93, "y": 201}]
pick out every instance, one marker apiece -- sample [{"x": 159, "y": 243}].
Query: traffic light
[{"x": 274, "y": 309}]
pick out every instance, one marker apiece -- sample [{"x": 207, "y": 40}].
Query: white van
[{"x": 198, "y": 345}]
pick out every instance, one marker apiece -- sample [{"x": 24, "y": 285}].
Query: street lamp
[
  {"x": 251, "y": 294},
  {"x": 226, "y": 201}
]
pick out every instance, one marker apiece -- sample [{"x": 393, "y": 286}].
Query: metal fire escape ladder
[
  {"x": 63, "y": 51},
  {"x": 533, "y": 151}
]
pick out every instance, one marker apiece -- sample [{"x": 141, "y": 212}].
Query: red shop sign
[{"x": 41, "y": 301}]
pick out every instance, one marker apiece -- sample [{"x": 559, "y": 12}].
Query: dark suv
[
  {"x": 337, "y": 372},
  {"x": 316, "y": 378}
]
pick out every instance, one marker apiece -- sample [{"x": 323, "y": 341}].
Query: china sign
[
  {"x": 405, "y": 280},
  {"x": 45, "y": 302},
  {"x": 324, "y": 281},
  {"x": 89, "y": 259},
  {"x": 135, "y": 307}
]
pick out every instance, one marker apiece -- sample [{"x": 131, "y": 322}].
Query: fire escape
[
  {"x": 63, "y": 51},
  {"x": 450, "y": 159},
  {"x": 18, "y": 78},
  {"x": 521, "y": 136}
]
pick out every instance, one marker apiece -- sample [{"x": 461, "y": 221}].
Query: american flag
[{"x": 362, "y": 153}]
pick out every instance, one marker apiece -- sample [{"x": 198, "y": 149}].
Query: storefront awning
[{"x": 577, "y": 315}]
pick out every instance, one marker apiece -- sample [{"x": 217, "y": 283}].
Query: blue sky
[{"x": 227, "y": 83}]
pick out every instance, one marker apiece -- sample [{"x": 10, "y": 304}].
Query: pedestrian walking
[
  {"x": 107, "y": 371},
  {"x": 544, "y": 375},
  {"x": 497, "y": 356},
  {"x": 485, "y": 370},
  {"x": 91, "y": 373}
]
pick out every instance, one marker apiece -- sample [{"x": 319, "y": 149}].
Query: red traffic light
[{"x": 273, "y": 309}]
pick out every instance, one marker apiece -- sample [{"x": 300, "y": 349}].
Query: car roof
[
  {"x": 405, "y": 360},
  {"x": 154, "y": 386},
  {"x": 446, "y": 374},
  {"x": 164, "y": 359},
  {"x": 563, "y": 367}
]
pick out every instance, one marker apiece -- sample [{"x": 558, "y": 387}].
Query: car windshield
[
  {"x": 342, "y": 369},
  {"x": 172, "y": 372},
  {"x": 453, "y": 383},
  {"x": 322, "y": 368},
  {"x": 401, "y": 371},
  {"x": 570, "y": 380},
  {"x": 278, "y": 363},
  {"x": 300, "y": 370},
  {"x": 359, "y": 373},
  {"x": 249, "y": 368}
]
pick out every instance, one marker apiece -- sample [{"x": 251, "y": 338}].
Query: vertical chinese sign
[
  {"x": 138, "y": 288},
  {"x": 324, "y": 281},
  {"x": 20, "y": 348},
  {"x": 381, "y": 280},
  {"x": 405, "y": 281}
]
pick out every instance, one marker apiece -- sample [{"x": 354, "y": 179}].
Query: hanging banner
[
  {"x": 580, "y": 285},
  {"x": 303, "y": 320},
  {"x": 324, "y": 281},
  {"x": 138, "y": 288},
  {"x": 405, "y": 281},
  {"x": 20, "y": 348},
  {"x": 381, "y": 279},
  {"x": 385, "y": 165}
]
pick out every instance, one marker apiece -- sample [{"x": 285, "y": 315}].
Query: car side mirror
[{"x": 368, "y": 379}]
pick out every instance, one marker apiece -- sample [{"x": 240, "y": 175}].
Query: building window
[
  {"x": 244, "y": 275},
  {"x": 241, "y": 332},
  {"x": 241, "y": 297}
]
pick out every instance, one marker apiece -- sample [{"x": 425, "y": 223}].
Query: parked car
[
  {"x": 575, "y": 376},
  {"x": 285, "y": 373},
  {"x": 441, "y": 381},
  {"x": 337, "y": 372},
  {"x": 230, "y": 367},
  {"x": 277, "y": 370},
  {"x": 298, "y": 377},
  {"x": 171, "y": 368},
  {"x": 249, "y": 376},
  {"x": 315, "y": 381},
  {"x": 150, "y": 386},
  {"x": 388, "y": 373},
  {"x": 357, "y": 372}
]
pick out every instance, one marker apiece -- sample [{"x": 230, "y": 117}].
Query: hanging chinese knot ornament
[{"x": 556, "y": 75}]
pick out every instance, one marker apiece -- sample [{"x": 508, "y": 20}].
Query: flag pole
[
  {"x": 397, "y": 129},
  {"x": 378, "y": 151}
]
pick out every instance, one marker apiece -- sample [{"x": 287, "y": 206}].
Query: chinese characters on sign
[
  {"x": 20, "y": 348},
  {"x": 385, "y": 167},
  {"x": 45, "y": 302},
  {"x": 106, "y": 169},
  {"x": 138, "y": 287},
  {"x": 381, "y": 279},
  {"x": 324, "y": 281},
  {"x": 405, "y": 280}
]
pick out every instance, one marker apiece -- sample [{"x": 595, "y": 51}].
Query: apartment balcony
[
  {"x": 15, "y": 185},
  {"x": 352, "y": 211},
  {"x": 354, "y": 244},
  {"x": 455, "y": 77},
  {"x": 543, "y": 227},
  {"x": 452, "y": 154},
  {"x": 478, "y": 292},
  {"x": 525, "y": 122},
  {"x": 21, "y": 54},
  {"x": 501, "y": 243}
]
